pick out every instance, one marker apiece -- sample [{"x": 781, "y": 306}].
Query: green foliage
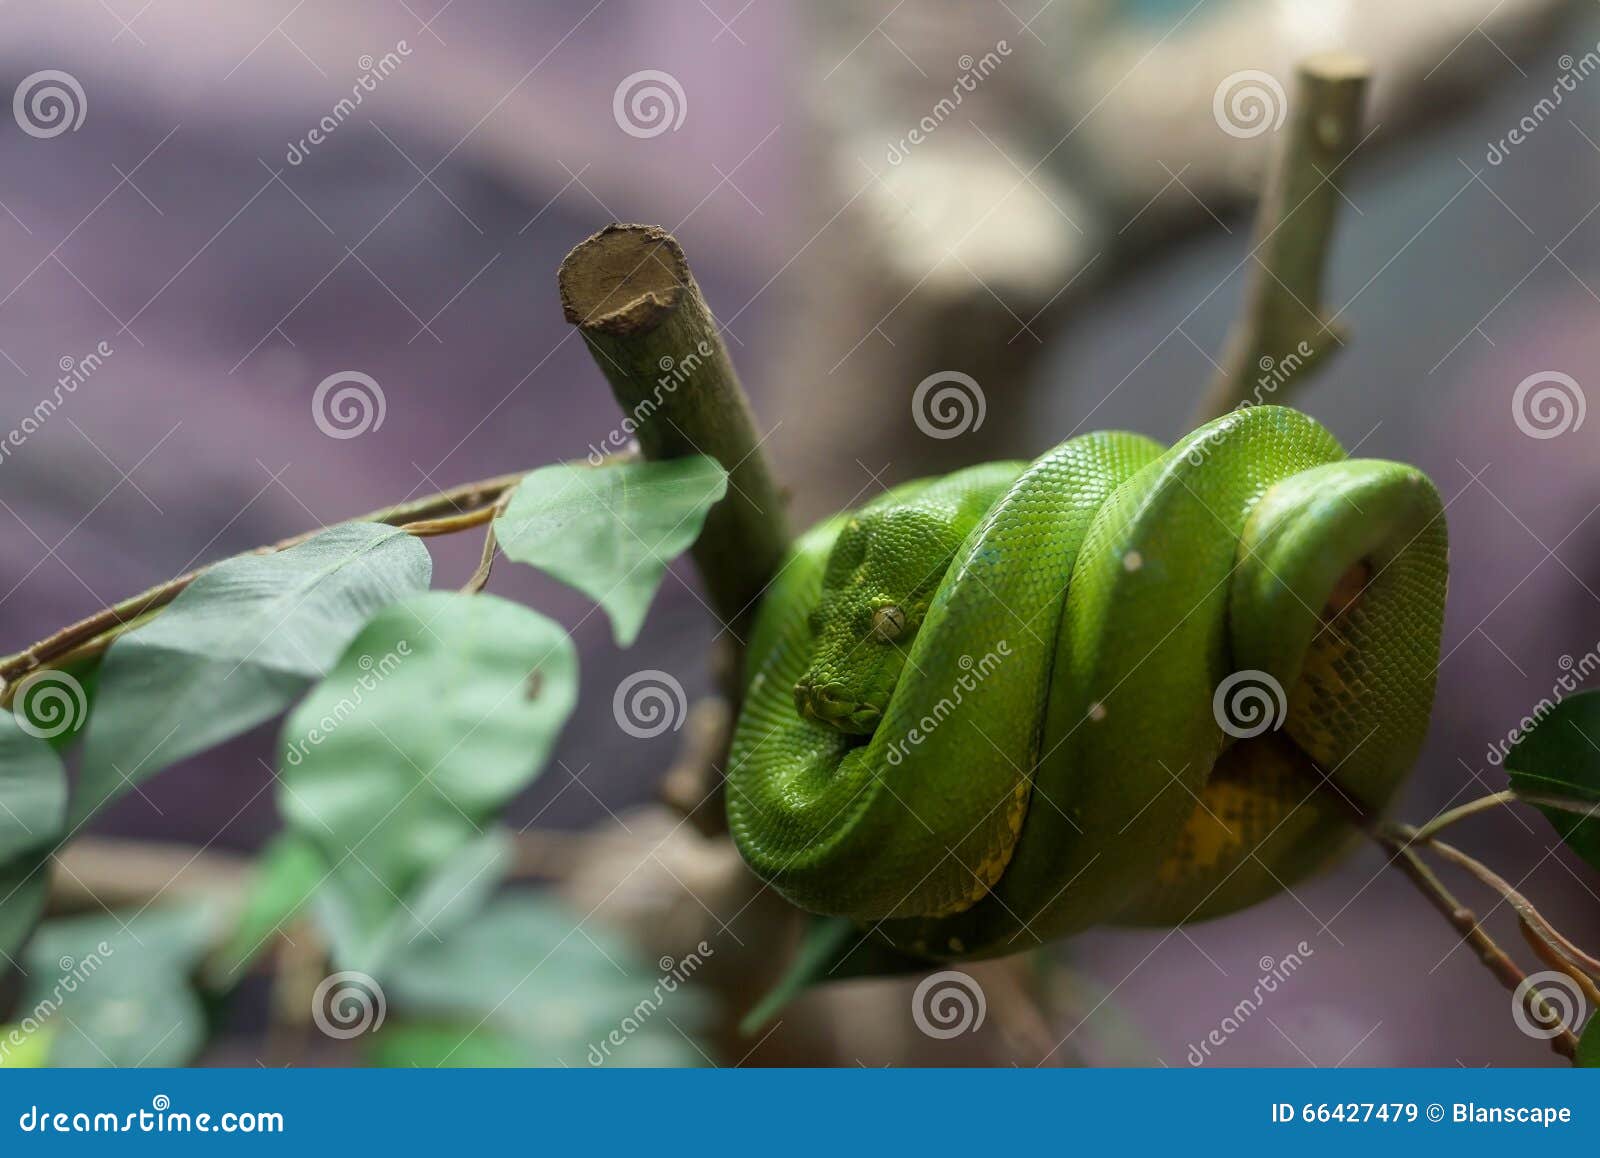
[
  {"x": 426, "y": 713},
  {"x": 441, "y": 709},
  {"x": 54, "y": 703},
  {"x": 288, "y": 871},
  {"x": 24, "y": 888},
  {"x": 33, "y": 807},
  {"x": 368, "y": 927},
  {"x": 1556, "y": 765},
  {"x": 236, "y": 648},
  {"x": 824, "y": 943},
  {"x": 21, "y": 1049},
  {"x": 33, "y": 788},
  {"x": 521, "y": 986},
  {"x": 1589, "y": 1045},
  {"x": 610, "y": 531},
  {"x": 116, "y": 991}
]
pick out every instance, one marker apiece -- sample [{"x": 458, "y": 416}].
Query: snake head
[{"x": 876, "y": 589}]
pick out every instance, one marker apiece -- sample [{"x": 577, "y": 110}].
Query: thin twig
[
  {"x": 1465, "y": 922},
  {"x": 426, "y": 514},
  {"x": 1400, "y": 841},
  {"x": 1524, "y": 908},
  {"x": 480, "y": 575},
  {"x": 1283, "y": 332},
  {"x": 1472, "y": 807},
  {"x": 1549, "y": 955}
]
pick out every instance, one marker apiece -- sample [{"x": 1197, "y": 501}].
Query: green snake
[{"x": 1109, "y": 685}]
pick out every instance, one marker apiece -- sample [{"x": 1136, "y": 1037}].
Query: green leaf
[
  {"x": 611, "y": 530},
  {"x": 1589, "y": 1045},
  {"x": 431, "y": 1046},
  {"x": 33, "y": 807},
  {"x": 821, "y": 947},
  {"x": 33, "y": 791},
  {"x": 24, "y": 888},
  {"x": 831, "y": 949},
  {"x": 366, "y": 927},
  {"x": 53, "y": 704},
  {"x": 287, "y": 872},
  {"x": 236, "y": 648},
  {"x": 22, "y": 1049},
  {"x": 115, "y": 993},
  {"x": 442, "y": 709},
  {"x": 522, "y": 982},
  {"x": 1556, "y": 765}
]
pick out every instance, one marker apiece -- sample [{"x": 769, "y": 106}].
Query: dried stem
[
  {"x": 456, "y": 509},
  {"x": 1283, "y": 332},
  {"x": 1402, "y": 840},
  {"x": 629, "y": 291},
  {"x": 1445, "y": 819},
  {"x": 1465, "y": 922},
  {"x": 1524, "y": 908}
]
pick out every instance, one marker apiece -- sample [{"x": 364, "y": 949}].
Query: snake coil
[{"x": 1109, "y": 685}]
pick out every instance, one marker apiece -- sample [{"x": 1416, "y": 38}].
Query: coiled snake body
[{"x": 1000, "y": 706}]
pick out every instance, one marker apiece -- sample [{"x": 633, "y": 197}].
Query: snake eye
[{"x": 888, "y": 622}]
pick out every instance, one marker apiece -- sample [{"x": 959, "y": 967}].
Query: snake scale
[{"x": 1108, "y": 685}]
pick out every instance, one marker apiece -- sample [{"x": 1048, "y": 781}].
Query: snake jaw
[{"x": 823, "y": 704}]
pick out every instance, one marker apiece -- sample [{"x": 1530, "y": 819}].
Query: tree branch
[
  {"x": 456, "y": 509},
  {"x": 629, "y": 291},
  {"x": 1283, "y": 333},
  {"x": 1466, "y": 923}
]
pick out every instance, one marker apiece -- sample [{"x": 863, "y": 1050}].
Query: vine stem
[{"x": 457, "y": 509}]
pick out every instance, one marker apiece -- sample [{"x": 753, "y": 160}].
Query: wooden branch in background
[
  {"x": 629, "y": 291},
  {"x": 1284, "y": 333}
]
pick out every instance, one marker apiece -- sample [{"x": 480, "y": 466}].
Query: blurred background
[{"x": 1073, "y": 233}]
